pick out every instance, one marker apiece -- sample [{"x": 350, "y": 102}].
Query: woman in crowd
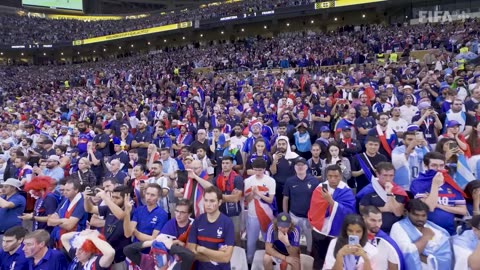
[
  {"x": 334, "y": 158},
  {"x": 259, "y": 150}
]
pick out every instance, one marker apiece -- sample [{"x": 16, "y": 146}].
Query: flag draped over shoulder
[
  {"x": 463, "y": 175},
  {"x": 401, "y": 261},
  {"x": 264, "y": 210},
  {"x": 326, "y": 218},
  {"x": 424, "y": 182},
  {"x": 374, "y": 186},
  {"x": 366, "y": 170},
  {"x": 194, "y": 192}
]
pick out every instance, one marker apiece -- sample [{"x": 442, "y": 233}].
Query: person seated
[
  {"x": 422, "y": 242},
  {"x": 351, "y": 250},
  {"x": 466, "y": 247},
  {"x": 282, "y": 243}
]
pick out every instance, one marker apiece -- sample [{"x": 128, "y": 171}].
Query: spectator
[
  {"x": 12, "y": 205},
  {"x": 12, "y": 255}
]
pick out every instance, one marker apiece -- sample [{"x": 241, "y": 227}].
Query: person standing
[
  {"x": 211, "y": 237},
  {"x": 297, "y": 194},
  {"x": 282, "y": 168},
  {"x": 331, "y": 203},
  {"x": 12, "y": 205}
]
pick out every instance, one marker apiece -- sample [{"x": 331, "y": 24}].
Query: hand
[
  {"x": 388, "y": 187},
  {"x": 283, "y": 237},
  {"x": 87, "y": 193},
  {"x": 26, "y": 216},
  {"x": 255, "y": 190},
  {"x": 223, "y": 248},
  {"x": 438, "y": 179},
  {"x": 428, "y": 233},
  {"x": 476, "y": 195},
  {"x": 191, "y": 173},
  {"x": 357, "y": 250},
  {"x": 128, "y": 203},
  {"x": 326, "y": 195},
  {"x": 100, "y": 193},
  {"x": 292, "y": 260}
]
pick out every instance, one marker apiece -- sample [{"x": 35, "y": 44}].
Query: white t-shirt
[
  {"x": 407, "y": 113},
  {"x": 376, "y": 261},
  {"x": 399, "y": 126},
  {"x": 267, "y": 182},
  {"x": 237, "y": 142}
]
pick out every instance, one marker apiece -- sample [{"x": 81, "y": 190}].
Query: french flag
[{"x": 263, "y": 209}]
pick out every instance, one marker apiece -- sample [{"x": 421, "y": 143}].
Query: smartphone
[
  {"x": 353, "y": 240},
  {"x": 453, "y": 145},
  {"x": 419, "y": 135},
  {"x": 325, "y": 187}
]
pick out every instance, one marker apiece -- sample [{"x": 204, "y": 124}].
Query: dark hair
[
  {"x": 123, "y": 190},
  {"x": 282, "y": 124},
  {"x": 213, "y": 189},
  {"x": 408, "y": 133},
  {"x": 18, "y": 231},
  {"x": 254, "y": 148},
  {"x": 333, "y": 167},
  {"x": 158, "y": 162},
  {"x": 48, "y": 141},
  {"x": 165, "y": 149},
  {"x": 111, "y": 179},
  {"x": 417, "y": 205},
  {"x": 329, "y": 156},
  {"x": 441, "y": 143},
  {"x": 259, "y": 163},
  {"x": 384, "y": 166},
  {"x": 142, "y": 166},
  {"x": 474, "y": 222},
  {"x": 318, "y": 145},
  {"x": 381, "y": 114},
  {"x": 366, "y": 210},
  {"x": 372, "y": 139},
  {"x": 133, "y": 151},
  {"x": 432, "y": 155},
  {"x": 472, "y": 139},
  {"x": 342, "y": 240},
  {"x": 201, "y": 148},
  {"x": 183, "y": 202},
  {"x": 469, "y": 188},
  {"x": 229, "y": 158},
  {"x": 75, "y": 183}
]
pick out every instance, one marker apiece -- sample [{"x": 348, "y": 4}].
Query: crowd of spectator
[
  {"x": 32, "y": 30},
  {"x": 142, "y": 163}
]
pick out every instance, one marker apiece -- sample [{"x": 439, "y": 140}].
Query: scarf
[
  {"x": 65, "y": 211},
  {"x": 388, "y": 140},
  {"x": 194, "y": 191},
  {"x": 375, "y": 186},
  {"x": 263, "y": 210},
  {"x": 223, "y": 182}
]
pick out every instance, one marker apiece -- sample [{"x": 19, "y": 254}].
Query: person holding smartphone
[{"x": 351, "y": 250}]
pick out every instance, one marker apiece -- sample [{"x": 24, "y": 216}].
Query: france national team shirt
[
  {"x": 172, "y": 229},
  {"x": 212, "y": 235},
  {"x": 407, "y": 169},
  {"x": 147, "y": 221},
  {"x": 53, "y": 260},
  {"x": 83, "y": 139},
  {"x": 293, "y": 236},
  {"x": 248, "y": 146},
  {"x": 16, "y": 261},
  {"x": 447, "y": 195},
  {"x": 10, "y": 216}
]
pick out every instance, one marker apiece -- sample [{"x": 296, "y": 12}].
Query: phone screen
[
  {"x": 453, "y": 145},
  {"x": 353, "y": 240},
  {"x": 419, "y": 135},
  {"x": 325, "y": 187}
]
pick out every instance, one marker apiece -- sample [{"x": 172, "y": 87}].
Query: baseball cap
[
  {"x": 324, "y": 129},
  {"x": 54, "y": 158},
  {"x": 300, "y": 160},
  {"x": 221, "y": 139},
  {"x": 13, "y": 182},
  {"x": 413, "y": 128},
  {"x": 453, "y": 123},
  {"x": 284, "y": 220},
  {"x": 424, "y": 105}
]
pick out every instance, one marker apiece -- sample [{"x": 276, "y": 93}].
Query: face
[
  {"x": 355, "y": 229},
  {"x": 436, "y": 164},
  {"x": 211, "y": 203},
  {"x": 18, "y": 163},
  {"x": 457, "y": 106},
  {"x": 200, "y": 153},
  {"x": 386, "y": 177},
  {"x": 383, "y": 121},
  {"x": 373, "y": 222},
  {"x": 256, "y": 129},
  {"x": 10, "y": 243},
  {"x": 137, "y": 172},
  {"x": 334, "y": 178},
  {"x": 151, "y": 196},
  {"x": 196, "y": 166},
  {"x": 301, "y": 168},
  {"x": 108, "y": 186},
  {"x": 334, "y": 151},
  {"x": 372, "y": 147},
  {"x": 453, "y": 130},
  {"x": 418, "y": 218},
  {"x": 282, "y": 146},
  {"x": 156, "y": 169},
  {"x": 31, "y": 247},
  {"x": 181, "y": 213},
  {"x": 316, "y": 151},
  {"x": 227, "y": 165},
  {"x": 351, "y": 114},
  {"x": 69, "y": 192},
  {"x": 82, "y": 255},
  {"x": 260, "y": 147},
  {"x": 117, "y": 198}
]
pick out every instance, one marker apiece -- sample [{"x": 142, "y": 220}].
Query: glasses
[
  {"x": 258, "y": 169},
  {"x": 181, "y": 212}
]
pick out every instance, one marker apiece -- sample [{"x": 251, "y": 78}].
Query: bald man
[
  {"x": 194, "y": 187},
  {"x": 115, "y": 171}
]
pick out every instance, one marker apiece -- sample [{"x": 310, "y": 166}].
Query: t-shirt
[
  {"x": 372, "y": 252},
  {"x": 293, "y": 235},
  {"x": 407, "y": 113},
  {"x": 10, "y": 216},
  {"x": 285, "y": 169},
  {"x": 299, "y": 193},
  {"x": 78, "y": 212},
  {"x": 320, "y": 111},
  {"x": 148, "y": 221},
  {"x": 447, "y": 195},
  {"x": 428, "y": 128},
  {"x": 16, "y": 261},
  {"x": 362, "y": 181},
  {"x": 141, "y": 137},
  {"x": 399, "y": 126},
  {"x": 212, "y": 235},
  {"x": 171, "y": 228},
  {"x": 113, "y": 232},
  {"x": 366, "y": 123},
  {"x": 407, "y": 169},
  {"x": 388, "y": 218},
  {"x": 252, "y": 181},
  {"x": 44, "y": 207},
  {"x": 231, "y": 209},
  {"x": 162, "y": 182}
]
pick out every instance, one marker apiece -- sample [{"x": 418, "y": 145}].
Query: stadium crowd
[
  {"x": 140, "y": 163},
  {"x": 17, "y": 30}
]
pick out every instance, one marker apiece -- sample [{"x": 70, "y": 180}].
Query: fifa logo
[{"x": 438, "y": 16}]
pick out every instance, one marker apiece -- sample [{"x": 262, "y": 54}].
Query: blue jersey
[
  {"x": 16, "y": 261},
  {"x": 148, "y": 221},
  {"x": 293, "y": 235},
  {"x": 212, "y": 235},
  {"x": 10, "y": 216},
  {"x": 83, "y": 139}
]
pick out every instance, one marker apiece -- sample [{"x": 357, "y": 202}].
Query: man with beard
[
  {"x": 112, "y": 212},
  {"x": 142, "y": 139},
  {"x": 422, "y": 242},
  {"x": 408, "y": 110},
  {"x": 52, "y": 169},
  {"x": 12, "y": 256},
  {"x": 282, "y": 168},
  {"x": 320, "y": 114},
  {"x": 157, "y": 176},
  {"x": 237, "y": 141},
  {"x": 24, "y": 172},
  {"x": 386, "y": 135},
  {"x": 160, "y": 138},
  {"x": 64, "y": 137},
  {"x": 84, "y": 136},
  {"x": 384, "y": 243}
]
